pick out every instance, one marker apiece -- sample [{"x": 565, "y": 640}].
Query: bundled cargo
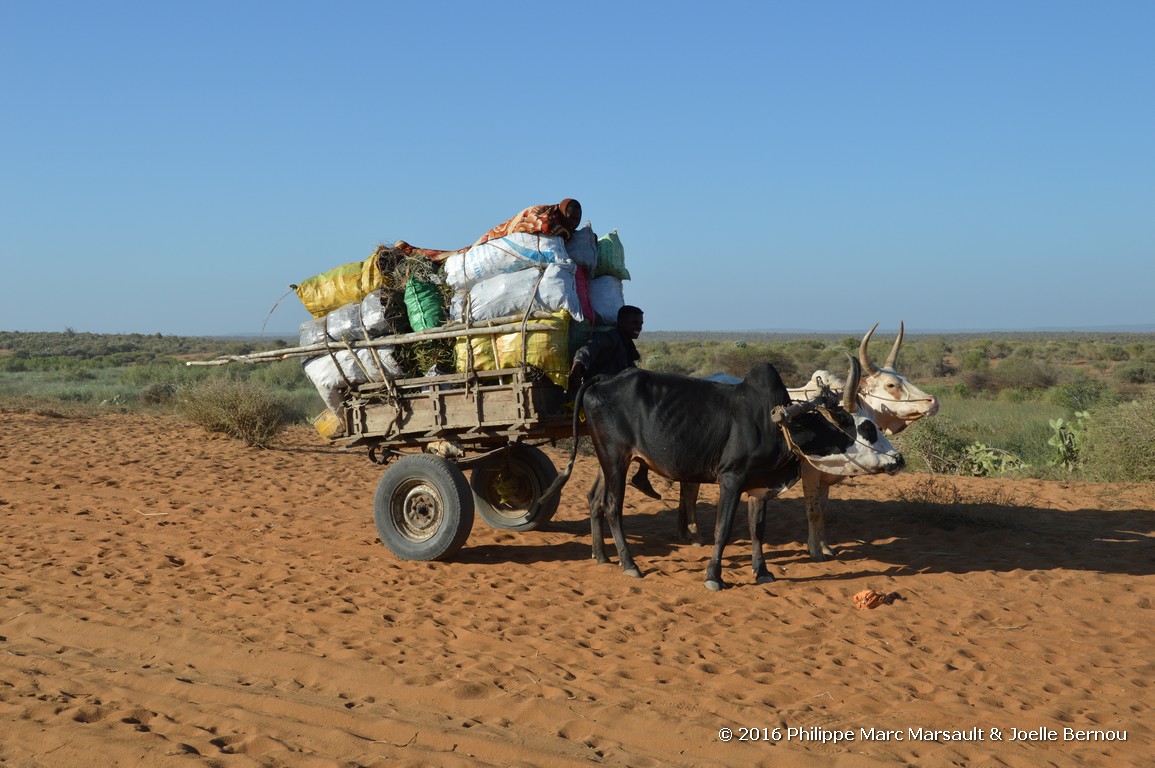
[
  {"x": 549, "y": 289},
  {"x": 548, "y": 350},
  {"x": 501, "y": 256},
  {"x": 611, "y": 257},
  {"x": 338, "y": 371},
  {"x": 364, "y": 319},
  {"x": 606, "y": 298},
  {"x": 539, "y": 261},
  {"x": 582, "y": 247},
  {"x": 323, "y": 293}
]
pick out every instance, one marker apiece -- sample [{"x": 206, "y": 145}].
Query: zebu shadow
[
  {"x": 873, "y": 538},
  {"x": 904, "y": 538}
]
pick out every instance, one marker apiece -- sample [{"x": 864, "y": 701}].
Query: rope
[
  {"x": 895, "y": 399},
  {"x": 277, "y": 303},
  {"x": 827, "y": 415}
]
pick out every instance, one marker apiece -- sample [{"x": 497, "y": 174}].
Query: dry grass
[
  {"x": 943, "y": 503},
  {"x": 241, "y": 409}
]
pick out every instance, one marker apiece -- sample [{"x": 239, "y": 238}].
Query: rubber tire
[
  {"x": 531, "y": 472},
  {"x": 423, "y": 508}
]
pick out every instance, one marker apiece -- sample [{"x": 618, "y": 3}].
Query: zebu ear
[{"x": 850, "y": 391}]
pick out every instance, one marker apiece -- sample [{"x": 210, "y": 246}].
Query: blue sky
[{"x": 173, "y": 167}]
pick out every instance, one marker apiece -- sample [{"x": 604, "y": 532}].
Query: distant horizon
[{"x": 880, "y": 332}]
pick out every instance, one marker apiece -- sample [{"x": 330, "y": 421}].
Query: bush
[
  {"x": 1136, "y": 373},
  {"x": 1080, "y": 395},
  {"x": 241, "y": 409},
  {"x": 1021, "y": 373},
  {"x": 1117, "y": 446},
  {"x": 159, "y": 393},
  {"x": 664, "y": 364},
  {"x": 936, "y": 445},
  {"x": 738, "y": 361}
]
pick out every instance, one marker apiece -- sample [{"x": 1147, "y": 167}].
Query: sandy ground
[{"x": 171, "y": 598}]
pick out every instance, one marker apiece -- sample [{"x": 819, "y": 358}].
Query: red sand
[{"x": 171, "y": 598}]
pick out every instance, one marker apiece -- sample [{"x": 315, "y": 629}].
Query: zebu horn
[
  {"x": 892, "y": 358},
  {"x": 850, "y": 392},
  {"x": 863, "y": 355}
]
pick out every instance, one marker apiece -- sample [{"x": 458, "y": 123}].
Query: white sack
[
  {"x": 512, "y": 253},
  {"x": 510, "y": 294},
  {"x": 582, "y": 247},
  {"x": 606, "y": 297},
  {"x": 363, "y": 319},
  {"x": 326, "y": 377}
]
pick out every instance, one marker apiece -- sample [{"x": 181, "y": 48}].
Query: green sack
[
  {"x": 423, "y": 304},
  {"x": 611, "y": 257}
]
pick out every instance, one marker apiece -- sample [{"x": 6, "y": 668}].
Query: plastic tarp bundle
[
  {"x": 547, "y": 350},
  {"x": 611, "y": 257},
  {"x": 551, "y": 289},
  {"x": 607, "y": 297},
  {"x": 333, "y": 374},
  {"x": 503, "y": 255},
  {"x": 323, "y": 293},
  {"x": 363, "y": 319}
]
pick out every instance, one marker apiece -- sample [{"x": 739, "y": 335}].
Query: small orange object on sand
[{"x": 868, "y": 598}]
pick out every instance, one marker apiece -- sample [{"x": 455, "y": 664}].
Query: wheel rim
[
  {"x": 510, "y": 491},
  {"x": 417, "y": 510}
]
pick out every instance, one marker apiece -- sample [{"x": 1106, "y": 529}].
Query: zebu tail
[{"x": 560, "y": 481}]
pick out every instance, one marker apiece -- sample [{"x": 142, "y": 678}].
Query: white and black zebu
[
  {"x": 885, "y": 396},
  {"x": 745, "y": 437}
]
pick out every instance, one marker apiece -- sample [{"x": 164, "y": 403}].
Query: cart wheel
[
  {"x": 423, "y": 508},
  {"x": 504, "y": 492}
]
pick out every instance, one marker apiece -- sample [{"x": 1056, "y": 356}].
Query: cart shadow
[{"x": 543, "y": 546}]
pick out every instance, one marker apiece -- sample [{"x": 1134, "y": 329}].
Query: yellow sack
[
  {"x": 323, "y": 293},
  {"x": 547, "y": 350}
]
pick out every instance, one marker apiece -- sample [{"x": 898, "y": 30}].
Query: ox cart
[{"x": 430, "y": 430}]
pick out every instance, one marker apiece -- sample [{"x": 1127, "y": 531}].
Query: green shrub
[
  {"x": 1118, "y": 442},
  {"x": 1136, "y": 373},
  {"x": 283, "y": 374},
  {"x": 664, "y": 364},
  {"x": 1022, "y": 373},
  {"x": 983, "y": 460},
  {"x": 1017, "y": 395},
  {"x": 935, "y": 445},
  {"x": 737, "y": 361},
  {"x": 245, "y": 410},
  {"x": 1068, "y": 440},
  {"x": 1080, "y": 395},
  {"x": 158, "y": 393}
]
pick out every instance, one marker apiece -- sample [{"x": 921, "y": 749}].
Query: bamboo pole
[{"x": 490, "y": 328}]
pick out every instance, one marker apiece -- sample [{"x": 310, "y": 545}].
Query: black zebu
[{"x": 741, "y": 437}]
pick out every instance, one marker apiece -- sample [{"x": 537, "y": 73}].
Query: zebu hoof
[
  {"x": 764, "y": 578},
  {"x": 715, "y": 586},
  {"x": 632, "y": 572}
]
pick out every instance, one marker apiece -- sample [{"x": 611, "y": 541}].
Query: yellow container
[{"x": 329, "y": 425}]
